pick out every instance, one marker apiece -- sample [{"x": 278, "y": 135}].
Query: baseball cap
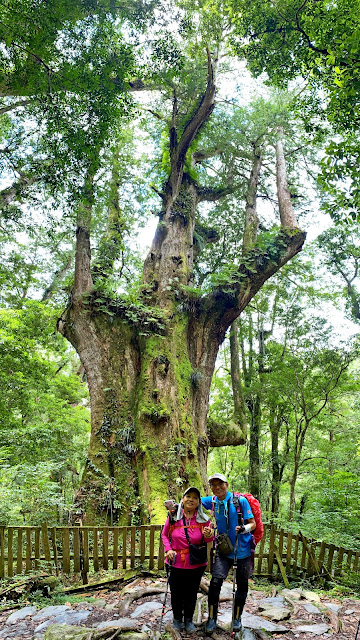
[
  {"x": 194, "y": 489},
  {"x": 218, "y": 476}
]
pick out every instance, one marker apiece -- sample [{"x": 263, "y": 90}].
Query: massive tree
[
  {"x": 149, "y": 357},
  {"x": 149, "y": 367}
]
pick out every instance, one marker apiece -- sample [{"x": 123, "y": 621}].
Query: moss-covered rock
[{"x": 67, "y": 632}]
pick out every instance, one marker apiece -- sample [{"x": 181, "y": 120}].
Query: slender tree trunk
[
  {"x": 254, "y": 453},
  {"x": 275, "y": 423},
  {"x": 251, "y": 217},
  {"x": 287, "y": 215},
  {"x": 239, "y": 416}
]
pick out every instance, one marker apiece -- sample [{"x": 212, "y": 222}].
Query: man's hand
[{"x": 244, "y": 528}]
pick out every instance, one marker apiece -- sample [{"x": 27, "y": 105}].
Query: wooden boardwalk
[{"x": 84, "y": 550}]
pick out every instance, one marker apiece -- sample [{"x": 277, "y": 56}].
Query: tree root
[{"x": 139, "y": 593}]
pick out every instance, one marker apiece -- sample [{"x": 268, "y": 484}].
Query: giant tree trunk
[{"x": 149, "y": 366}]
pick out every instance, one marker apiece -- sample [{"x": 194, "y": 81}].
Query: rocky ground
[{"x": 134, "y": 613}]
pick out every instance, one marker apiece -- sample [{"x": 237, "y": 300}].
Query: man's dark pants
[{"x": 221, "y": 568}]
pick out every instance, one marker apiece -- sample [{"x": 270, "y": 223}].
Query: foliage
[
  {"x": 292, "y": 371},
  {"x": 44, "y": 421},
  {"x": 318, "y": 42},
  {"x": 340, "y": 248}
]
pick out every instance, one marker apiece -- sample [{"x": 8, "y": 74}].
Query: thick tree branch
[
  {"x": 58, "y": 276},
  {"x": 111, "y": 245},
  {"x": 14, "y": 192},
  {"x": 14, "y": 105},
  {"x": 178, "y": 149},
  {"x": 221, "y": 435},
  {"x": 226, "y": 303},
  {"x": 206, "y": 194},
  {"x": 200, "y": 156}
]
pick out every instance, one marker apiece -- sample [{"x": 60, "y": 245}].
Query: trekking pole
[
  {"x": 357, "y": 630},
  {"x": 166, "y": 592},
  {"x": 234, "y": 583}
]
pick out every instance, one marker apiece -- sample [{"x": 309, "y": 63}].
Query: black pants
[
  {"x": 184, "y": 585},
  {"x": 220, "y": 571}
]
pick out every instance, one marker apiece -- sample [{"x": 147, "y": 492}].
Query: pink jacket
[{"x": 173, "y": 537}]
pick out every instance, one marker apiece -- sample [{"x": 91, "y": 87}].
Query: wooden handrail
[{"x": 89, "y": 549}]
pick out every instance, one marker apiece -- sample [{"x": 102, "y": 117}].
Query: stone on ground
[
  {"x": 21, "y": 614},
  {"x": 310, "y": 608},
  {"x": 277, "y": 601},
  {"x": 147, "y": 607},
  {"x": 66, "y": 632},
  {"x": 310, "y": 595},
  {"x": 294, "y": 594},
  {"x": 316, "y": 629},
  {"x": 226, "y": 591},
  {"x": 53, "y": 610},
  {"x": 251, "y": 622},
  {"x": 276, "y": 613},
  {"x": 124, "y": 623},
  {"x": 67, "y": 617}
]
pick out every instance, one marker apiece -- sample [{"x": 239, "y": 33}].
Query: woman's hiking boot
[
  {"x": 189, "y": 625},
  {"x": 177, "y": 624}
]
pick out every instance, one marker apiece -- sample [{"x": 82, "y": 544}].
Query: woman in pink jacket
[{"x": 189, "y": 526}]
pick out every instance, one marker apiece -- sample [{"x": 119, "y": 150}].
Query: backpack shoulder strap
[{"x": 238, "y": 506}]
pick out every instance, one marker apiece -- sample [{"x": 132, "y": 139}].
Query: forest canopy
[{"x": 225, "y": 130}]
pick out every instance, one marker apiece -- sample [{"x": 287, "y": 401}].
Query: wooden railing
[{"x": 84, "y": 550}]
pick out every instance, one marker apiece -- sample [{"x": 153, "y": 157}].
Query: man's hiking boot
[
  {"x": 177, "y": 624},
  {"x": 210, "y": 625},
  {"x": 239, "y": 605},
  {"x": 189, "y": 625},
  {"x": 237, "y": 626},
  {"x": 211, "y": 622}
]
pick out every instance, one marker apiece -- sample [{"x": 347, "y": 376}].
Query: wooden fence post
[
  {"x": 28, "y": 551},
  {"x": 46, "y": 546},
  {"x": 19, "y": 552},
  {"x": 2, "y": 552},
  {"x": 10, "y": 553}
]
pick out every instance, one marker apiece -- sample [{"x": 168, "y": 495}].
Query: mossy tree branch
[{"x": 221, "y": 435}]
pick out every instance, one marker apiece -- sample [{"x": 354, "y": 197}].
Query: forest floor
[{"x": 274, "y": 612}]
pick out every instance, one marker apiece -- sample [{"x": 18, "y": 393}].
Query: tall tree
[{"x": 149, "y": 357}]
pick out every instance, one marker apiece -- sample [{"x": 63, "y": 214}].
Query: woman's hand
[
  {"x": 170, "y": 555},
  {"x": 208, "y": 531}
]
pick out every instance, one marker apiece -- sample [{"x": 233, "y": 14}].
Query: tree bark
[{"x": 287, "y": 216}]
